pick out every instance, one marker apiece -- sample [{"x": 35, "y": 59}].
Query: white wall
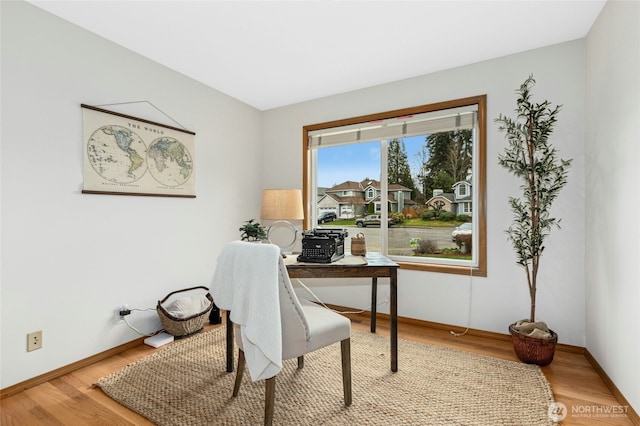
[
  {"x": 613, "y": 238},
  {"x": 68, "y": 259},
  {"x": 501, "y": 297}
]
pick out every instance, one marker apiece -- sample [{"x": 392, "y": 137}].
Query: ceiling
[{"x": 274, "y": 53}]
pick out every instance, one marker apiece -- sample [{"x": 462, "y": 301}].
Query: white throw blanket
[{"x": 246, "y": 283}]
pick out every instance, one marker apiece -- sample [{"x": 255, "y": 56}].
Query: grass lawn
[{"x": 457, "y": 256}]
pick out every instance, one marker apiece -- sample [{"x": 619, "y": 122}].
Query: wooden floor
[{"x": 71, "y": 399}]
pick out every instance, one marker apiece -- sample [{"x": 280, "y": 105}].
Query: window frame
[{"x": 480, "y": 269}]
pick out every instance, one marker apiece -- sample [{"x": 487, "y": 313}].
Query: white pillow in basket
[{"x": 185, "y": 307}]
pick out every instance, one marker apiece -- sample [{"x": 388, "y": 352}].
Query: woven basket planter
[
  {"x": 358, "y": 245},
  {"x": 183, "y": 327},
  {"x": 533, "y": 350}
]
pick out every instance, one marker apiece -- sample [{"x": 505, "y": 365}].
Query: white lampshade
[{"x": 282, "y": 204}]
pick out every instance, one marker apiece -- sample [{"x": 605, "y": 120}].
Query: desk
[{"x": 377, "y": 266}]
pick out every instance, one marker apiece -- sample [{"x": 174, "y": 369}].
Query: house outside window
[{"x": 403, "y": 194}]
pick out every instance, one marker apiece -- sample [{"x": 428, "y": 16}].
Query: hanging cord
[
  {"x": 317, "y": 299},
  {"x": 153, "y": 333},
  {"x": 469, "y": 313},
  {"x": 147, "y": 102}
]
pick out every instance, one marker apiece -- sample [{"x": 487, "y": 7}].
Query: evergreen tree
[
  {"x": 443, "y": 180},
  {"x": 398, "y": 169},
  {"x": 438, "y": 145},
  {"x": 449, "y": 160}
]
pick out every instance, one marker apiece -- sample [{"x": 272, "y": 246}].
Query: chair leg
[
  {"x": 374, "y": 302},
  {"x": 269, "y": 400},
  {"x": 239, "y": 372},
  {"x": 345, "y": 349},
  {"x": 300, "y": 362}
]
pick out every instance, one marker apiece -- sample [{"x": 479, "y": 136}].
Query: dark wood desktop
[{"x": 376, "y": 266}]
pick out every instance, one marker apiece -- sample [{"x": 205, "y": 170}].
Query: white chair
[{"x": 273, "y": 324}]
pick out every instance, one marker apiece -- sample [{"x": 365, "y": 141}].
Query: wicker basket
[
  {"x": 183, "y": 327},
  {"x": 533, "y": 350}
]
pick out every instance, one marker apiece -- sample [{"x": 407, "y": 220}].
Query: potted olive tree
[
  {"x": 251, "y": 231},
  {"x": 532, "y": 159}
]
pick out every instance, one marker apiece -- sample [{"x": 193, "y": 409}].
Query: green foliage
[
  {"x": 397, "y": 217},
  {"x": 463, "y": 218},
  {"x": 446, "y": 160},
  {"x": 446, "y": 216},
  {"x": 398, "y": 169},
  {"x": 443, "y": 180},
  {"x": 428, "y": 215},
  {"x": 371, "y": 208},
  {"x": 422, "y": 223},
  {"x": 252, "y": 231},
  {"x": 450, "y": 250},
  {"x": 532, "y": 159}
]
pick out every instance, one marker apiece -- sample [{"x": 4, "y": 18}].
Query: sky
[{"x": 357, "y": 162}]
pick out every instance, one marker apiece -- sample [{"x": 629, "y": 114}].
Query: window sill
[{"x": 476, "y": 271}]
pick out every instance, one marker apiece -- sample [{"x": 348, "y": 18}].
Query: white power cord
[
  {"x": 453, "y": 333},
  {"x": 153, "y": 333},
  {"x": 317, "y": 299}
]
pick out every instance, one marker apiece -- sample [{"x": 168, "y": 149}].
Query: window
[
  {"x": 421, "y": 170},
  {"x": 371, "y": 193}
]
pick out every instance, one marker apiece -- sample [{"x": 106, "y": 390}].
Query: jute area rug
[{"x": 186, "y": 383}]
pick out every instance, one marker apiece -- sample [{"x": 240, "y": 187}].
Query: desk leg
[
  {"x": 393, "y": 284},
  {"x": 229, "y": 343},
  {"x": 374, "y": 302}
]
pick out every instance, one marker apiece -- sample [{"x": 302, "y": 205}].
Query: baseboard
[
  {"x": 472, "y": 332},
  {"x": 633, "y": 415},
  {"x": 38, "y": 380},
  {"x": 483, "y": 333}
]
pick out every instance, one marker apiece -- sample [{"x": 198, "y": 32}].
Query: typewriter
[{"x": 324, "y": 245}]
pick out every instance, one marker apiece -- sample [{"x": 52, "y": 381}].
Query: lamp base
[{"x": 278, "y": 234}]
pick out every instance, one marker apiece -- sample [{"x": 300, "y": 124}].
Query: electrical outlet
[
  {"x": 34, "y": 341},
  {"x": 124, "y": 310},
  {"x": 119, "y": 309}
]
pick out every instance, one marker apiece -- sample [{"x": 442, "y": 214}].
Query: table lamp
[{"x": 282, "y": 205}]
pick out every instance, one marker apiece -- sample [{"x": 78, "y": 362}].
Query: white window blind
[{"x": 420, "y": 124}]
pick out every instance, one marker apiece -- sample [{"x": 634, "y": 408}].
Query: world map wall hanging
[{"x": 125, "y": 155}]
